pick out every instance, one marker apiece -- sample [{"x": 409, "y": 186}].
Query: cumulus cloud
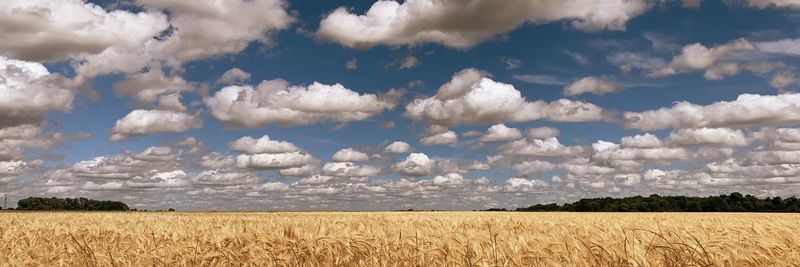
[
  {"x": 144, "y": 122},
  {"x": 441, "y": 138},
  {"x": 747, "y": 109},
  {"x": 10, "y": 169},
  {"x": 234, "y": 76},
  {"x": 28, "y": 90},
  {"x": 699, "y": 57},
  {"x": 708, "y": 136},
  {"x": 275, "y": 102},
  {"x": 416, "y": 164},
  {"x": 646, "y": 140},
  {"x": 542, "y": 132},
  {"x": 275, "y": 161},
  {"x": 349, "y": 154},
  {"x": 500, "y": 132},
  {"x": 14, "y": 140},
  {"x": 205, "y": 28},
  {"x": 61, "y": 29},
  {"x": 349, "y": 169},
  {"x": 399, "y": 147},
  {"x": 549, "y": 147},
  {"x": 783, "y": 46},
  {"x": 473, "y": 98},
  {"x": 529, "y": 168},
  {"x": 219, "y": 177},
  {"x": 516, "y": 184},
  {"x": 591, "y": 85},
  {"x": 782, "y": 80},
  {"x": 461, "y": 24},
  {"x": 147, "y": 87},
  {"x": 450, "y": 179},
  {"x": 165, "y": 33},
  {"x": 264, "y": 144},
  {"x": 608, "y": 151}
]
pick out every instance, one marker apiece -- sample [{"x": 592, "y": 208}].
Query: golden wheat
[{"x": 399, "y": 239}]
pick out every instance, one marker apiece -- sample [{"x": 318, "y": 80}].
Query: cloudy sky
[{"x": 424, "y": 104}]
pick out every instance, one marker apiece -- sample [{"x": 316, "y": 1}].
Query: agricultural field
[{"x": 399, "y": 239}]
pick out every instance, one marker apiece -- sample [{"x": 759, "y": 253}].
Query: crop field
[{"x": 399, "y": 239}]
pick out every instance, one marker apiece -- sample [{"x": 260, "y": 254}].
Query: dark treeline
[
  {"x": 40, "y": 203},
  {"x": 735, "y": 202}
]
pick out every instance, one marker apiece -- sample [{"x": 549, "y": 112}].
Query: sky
[{"x": 387, "y": 105}]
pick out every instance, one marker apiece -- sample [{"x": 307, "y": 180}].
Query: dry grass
[{"x": 399, "y": 239}]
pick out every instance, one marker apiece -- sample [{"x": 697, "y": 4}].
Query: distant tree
[
  {"x": 171, "y": 209},
  {"x": 734, "y": 202},
  {"x": 39, "y": 203}
]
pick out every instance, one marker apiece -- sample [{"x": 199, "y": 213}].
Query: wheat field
[{"x": 399, "y": 239}]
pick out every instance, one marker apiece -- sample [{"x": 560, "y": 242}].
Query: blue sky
[{"x": 624, "y": 59}]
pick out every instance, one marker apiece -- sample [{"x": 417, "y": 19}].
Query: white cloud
[
  {"x": 275, "y": 161},
  {"x": 275, "y": 102},
  {"x": 271, "y": 187},
  {"x": 608, "y": 151},
  {"x": 205, "y": 28},
  {"x": 628, "y": 61},
  {"x": 9, "y": 170},
  {"x": 349, "y": 154},
  {"x": 28, "y": 90},
  {"x": 216, "y": 160},
  {"x": 784, "y": 46},
  {"x": 399, "y": 147},
  {"x": 707, "y": 136},
  {"x": 189, "y": 32},
  {"x": 501, "y": 132},
  {"x": 525, "y": 185},
  {"x": 424, "y": 21},
  {"x": 304, "y": 170},
  {"x": 782, "y": 80},
  {"x": 592, "y": 85},
  {"x": 444, "y": 138},
  {"x": 147, "y": 87},
  {"x": 549, "y": 147},
  {"x": 416, "y": 164},
  {"x": 264, "y": 144},
  {"x": 773, "y": 4},
  {"x": 171, "y": 102},
  {"x": 409, "y": 62},
  {"x": 542, "y": 132},
  {"x": 699, "y": 57},
  {"x": 747, "y": 109},
  {"x": 143, "y": 122},
  {"x": 14, "y": 140},
  {"x": 450, "y": 179},
  {"x": 528, "y": 168},
  {"x": 349, "y": 169},
  {"x": 646, "y": 140},
  {"x": 471, "y": 98},
  {"x": 628, "y": 180},
  {"x": 170, "y": 179},
  {"x": 56, "y": 30},
  {"x": 234, "y": 76}
]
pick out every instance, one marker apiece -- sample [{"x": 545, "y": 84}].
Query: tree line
[
  {"x": 40, "y": 203},
  {"x": 735, "y": 202}
]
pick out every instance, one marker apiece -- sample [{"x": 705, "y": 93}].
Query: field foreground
[{"x": 399, "y": 239}]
